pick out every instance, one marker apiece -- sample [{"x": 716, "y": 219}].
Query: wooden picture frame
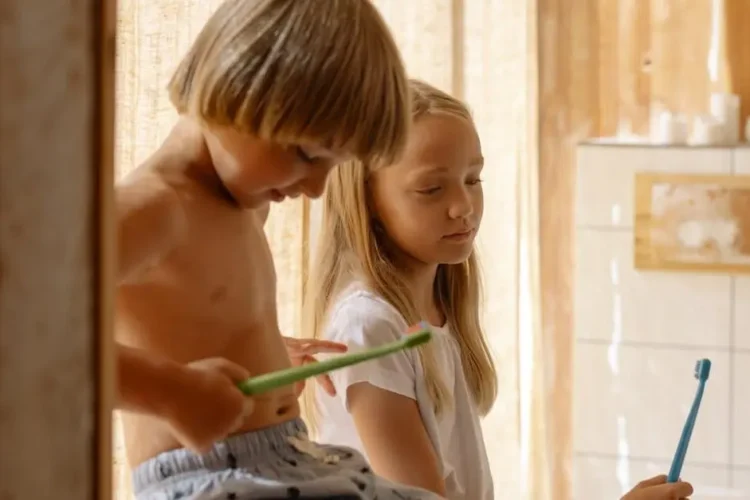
[{"x": 692, "y": 222}]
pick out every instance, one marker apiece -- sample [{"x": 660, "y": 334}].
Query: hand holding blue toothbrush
[
  {"x": 670, "y": 486},
  {"x": 702, "y": 371},
  {"x": 657, "y": 488}
]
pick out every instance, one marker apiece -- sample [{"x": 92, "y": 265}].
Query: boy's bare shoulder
[
  {"x": 150, "y": 219},
  {"x": 160, "y": 181},
  {"x": 145, "y": 189}
]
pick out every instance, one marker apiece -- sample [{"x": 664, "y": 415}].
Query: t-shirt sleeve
[{"x": 362, "y": 322}]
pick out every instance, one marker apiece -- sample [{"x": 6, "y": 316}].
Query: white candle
[
  {"x": 670, "y": 129},
  {"x": 726, "y": 109},
  {"x": 708, "y": 131},
  {"x": 747, "y": 129}
]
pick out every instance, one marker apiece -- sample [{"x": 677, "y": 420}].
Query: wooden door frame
[
  {"x": 104, "y": 44},
  {"x": 57, "y": 247}
]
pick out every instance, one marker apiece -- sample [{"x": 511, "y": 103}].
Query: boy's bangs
[
  {"x": 368, "y": 120},
  {"x": 322, "y": 72},
  {"x": 339, "y": 108}
]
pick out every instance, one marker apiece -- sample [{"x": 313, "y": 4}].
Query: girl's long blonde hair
[{"x": 350, "y": 249}]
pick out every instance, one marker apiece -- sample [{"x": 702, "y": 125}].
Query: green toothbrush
[{"x": 266, "y": 382}]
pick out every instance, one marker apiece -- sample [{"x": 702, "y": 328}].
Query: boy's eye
[
  {"x": 430, "y": 190},
  {"x": 302, "y": 154},
  {"x": 474, "y": 182}
]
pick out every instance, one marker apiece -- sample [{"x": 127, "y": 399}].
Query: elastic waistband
[{"x": 233, "y": 452}]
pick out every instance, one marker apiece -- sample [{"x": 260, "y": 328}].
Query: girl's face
[{"x": 430, "y": 203}]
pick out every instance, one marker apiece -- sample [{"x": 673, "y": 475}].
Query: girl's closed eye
[
  {"x": 475, "y": 181},
  {"x": 429, "y": 190}
]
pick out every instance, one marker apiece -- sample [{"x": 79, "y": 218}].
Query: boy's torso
[{"x": 213, "y": 295}]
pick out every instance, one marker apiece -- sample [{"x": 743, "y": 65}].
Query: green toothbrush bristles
[
  {"x": 289, "y": 376},
  {"x": 417, "y": 339}
]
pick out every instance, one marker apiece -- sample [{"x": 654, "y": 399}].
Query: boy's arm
[
  {"x": 145, "y": 382},
  {"x": 200, "y": 401},
  {"x": 393, "y": 434},
  {"x": 150, "y": 222}
]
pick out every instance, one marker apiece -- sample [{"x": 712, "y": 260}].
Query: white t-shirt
[{"x": 362, "y": 319}]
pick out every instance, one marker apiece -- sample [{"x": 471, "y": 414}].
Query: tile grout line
[
  {"x": 662, "y": 346},
  {"x": 732, "y": 340},
  {"x": 705, "y": 465},
  {"x": 732, "y": 345},
  {"x": 604, "y": 228}
]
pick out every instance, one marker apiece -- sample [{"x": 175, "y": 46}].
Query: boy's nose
[{"x": 314, "y": 185}]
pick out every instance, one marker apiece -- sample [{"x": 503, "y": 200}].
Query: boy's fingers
[
  {"x": 248, "y": 405},
  {"x": 235, "y": 372}
]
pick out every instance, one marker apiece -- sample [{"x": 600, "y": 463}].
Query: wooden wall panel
[
  {"x": 736, "y": 24},
  {"x": 607, "y": 57},
  {"x": 656, "y": 53},
  {"x": 680, "y": 43},
  {"x": 634, "y": 68},
  {"x": 568, "y": 113},
  {"x": 55, "y": 176}
]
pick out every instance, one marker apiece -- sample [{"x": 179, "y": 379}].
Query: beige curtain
[{"x": 483, "y": 51}]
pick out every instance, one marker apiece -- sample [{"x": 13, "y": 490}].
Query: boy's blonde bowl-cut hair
[{"x": 325, "y": 72}]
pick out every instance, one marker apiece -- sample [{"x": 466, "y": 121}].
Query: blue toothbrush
[{"x": 702, "y": 370}]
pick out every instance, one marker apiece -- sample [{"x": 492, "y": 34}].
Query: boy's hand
[
  {"x": 302, "y": 351},
  {"x": 207, "y": 405},
  {"x": 657, "y": 488}
]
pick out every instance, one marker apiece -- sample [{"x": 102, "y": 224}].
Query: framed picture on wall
[{"x": 692, "y": 222}]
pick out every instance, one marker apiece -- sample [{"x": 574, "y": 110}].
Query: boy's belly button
[{"x": 272, "y": 411}]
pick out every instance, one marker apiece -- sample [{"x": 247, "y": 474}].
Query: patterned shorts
[{"x": 274, "y": 463}]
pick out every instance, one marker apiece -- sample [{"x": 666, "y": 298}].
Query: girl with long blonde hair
[{"x": 397, "y": 247}]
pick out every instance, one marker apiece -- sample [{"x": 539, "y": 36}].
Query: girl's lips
[{"x": 462, "y": 236}]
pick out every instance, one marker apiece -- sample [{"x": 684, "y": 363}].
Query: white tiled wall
[{"x": 638, "y": 335}]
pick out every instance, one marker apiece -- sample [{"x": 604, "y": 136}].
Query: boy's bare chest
[
  {"x": 229, "y": 261},
  {"x": 221, "y": 273},
  {"x": 216, "y": 291}
]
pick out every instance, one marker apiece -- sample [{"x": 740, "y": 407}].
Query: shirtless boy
[{"x": 272, "y": 95}]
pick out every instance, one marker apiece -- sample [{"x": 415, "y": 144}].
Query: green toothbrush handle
[{"x": 289, "y": 376}]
